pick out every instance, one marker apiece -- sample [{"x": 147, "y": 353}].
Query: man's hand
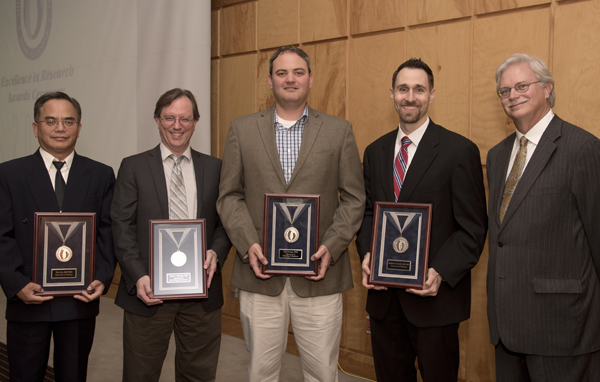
[
  {"x": 28, "y": 294},
  {"x": 432, "y": 285},
  {"x": 144, "y": 292},
  {"x": 94, "y": 291},
  {"x": 366, "y": 271},
  {"x": 256, "y": 260},
  {"x": 210, "y": 265},
  {"x": 325, "y": 256}
]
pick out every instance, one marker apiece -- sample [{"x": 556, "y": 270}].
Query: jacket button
[
  {"x": 500, "y": 244},
  {"x": 24, "y": 220}
]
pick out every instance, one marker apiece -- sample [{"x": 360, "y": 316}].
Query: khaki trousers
[{"x": 317, "y": 325}]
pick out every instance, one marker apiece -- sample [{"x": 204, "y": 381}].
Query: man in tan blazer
[{"x": 291, "y": 149}]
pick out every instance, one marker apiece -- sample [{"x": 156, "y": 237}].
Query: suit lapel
[
  {"x": 536, "y": 165},
  {"x": 309, "y": 136},
  {"x": 499, "y": 177},
  {"x": 77, "y": 186},
  {"x": 266, "y": 130},
  {"x": 199, "y": 171},
  {"x": 40, "y": 184},
  {"x": 157, "y": 172},
  {"x": 426, "y": 153},
  {"x": 386, "y": 165}
]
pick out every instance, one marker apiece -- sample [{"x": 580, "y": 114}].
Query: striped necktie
[
  {"x": 400, "y": 166},
  {"x": 513, "y": 178},
  {"x": 177, "y": 200}
]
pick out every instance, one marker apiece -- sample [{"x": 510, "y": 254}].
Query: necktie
[
  {"x": 513, "y": 178},
  {"x": 400, "y": 165},
  {"x": 177, "y": 200},
  {"x": 59, "y": 184}
]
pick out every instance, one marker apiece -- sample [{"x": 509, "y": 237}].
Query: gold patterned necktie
[{"x": 513, "y": 178}]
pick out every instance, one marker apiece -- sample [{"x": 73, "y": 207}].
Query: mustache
[{"x": 414, "y": 103}]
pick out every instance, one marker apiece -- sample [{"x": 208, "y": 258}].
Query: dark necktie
[{"x": 59, "y": 184}]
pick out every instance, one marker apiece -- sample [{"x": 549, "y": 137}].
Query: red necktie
[{"x": 400, "y": 166}]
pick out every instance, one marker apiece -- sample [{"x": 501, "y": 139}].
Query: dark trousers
[
  {"x": 28, "y": 346},
  {"x": 517, "y": 367},
  {"x": 197, "y": 338},
  {"x": 396, "y": 343}
]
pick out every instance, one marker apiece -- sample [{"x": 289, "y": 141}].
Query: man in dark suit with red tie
[
  {"x": 55, "y": 178},
  {"x": 421, "y": 162}
]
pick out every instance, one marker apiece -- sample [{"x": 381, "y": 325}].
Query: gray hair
[{"x": 538, "y": 67}]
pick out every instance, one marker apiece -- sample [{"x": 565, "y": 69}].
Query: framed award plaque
[
  {"x": 63, "y": 252},
  {"x": 291, "y": 234},
  {"x": 400, "y": 244},
  {"x": 177, "y": 257}
]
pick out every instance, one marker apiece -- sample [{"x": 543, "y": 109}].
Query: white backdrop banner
[{"x": 115, "y": 57}]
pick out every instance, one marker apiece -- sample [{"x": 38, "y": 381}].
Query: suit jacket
[
  {"x": 445, "y": 171},
  {"x": 328, "y": 164},
  {"x": 542, "y": 284},
  {"x": 26, "y": 188},
  {"x": 140, "y": 196}
]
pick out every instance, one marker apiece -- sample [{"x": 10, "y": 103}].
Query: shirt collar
[
  {"x": 165, "y": 152},
  {"x": 304, "y": 115},
  {"x": 415, "y": 137},
  {"x": 535, "y": 134},
  {"x": 48, "y": 159}
]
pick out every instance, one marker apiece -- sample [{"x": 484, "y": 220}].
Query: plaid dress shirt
[{"x": 288, "y": 143}]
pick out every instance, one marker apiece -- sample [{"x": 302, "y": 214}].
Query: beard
[{"x": 410, "y": 117}]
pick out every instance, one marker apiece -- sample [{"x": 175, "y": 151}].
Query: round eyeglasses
[
  {"x": 521, "y": 87},
  {"x": 170, "y": 121}
]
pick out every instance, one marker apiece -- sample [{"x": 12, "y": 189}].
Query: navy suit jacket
[
  {"x": 26, "y": 188},
  {"x": 445, "y": 171},
  {"x": 141, "y": 195}
]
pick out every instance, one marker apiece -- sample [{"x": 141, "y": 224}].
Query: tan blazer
[{"x": 328, "y": 164}]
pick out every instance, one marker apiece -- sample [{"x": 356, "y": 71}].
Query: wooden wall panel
[
  {"x": 277, "y": 23},
  {"x": 328, "y": 65},
  {"x": 495, "y": 39},
  {"x": 265, "y": 96},
  {"x": 446, "y": 49},
  {"x": 373, "y": 60},
  {"x": 575, "y": 67},
  {"x": 222, "y": 3},
  {"x": 214, "y": 110},
  {"x": 421, "y": 12},
  {"x": 322, "y": 19},
  {"x": 375, "y": 15},
  {"x": 238, "y": 28},
  {"x": 237, "y": 93},
  {"x": 488, "y": 6},
  {"x": 214, "y": 35}
]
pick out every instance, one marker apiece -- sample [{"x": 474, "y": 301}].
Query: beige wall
[{"x": 355, "y": 45}]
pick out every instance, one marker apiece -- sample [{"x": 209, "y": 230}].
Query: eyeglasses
[
  {"x": 52, "y": 122},
  {"x": 521, "y": 87},
  {"x": 170, "y": 121}
]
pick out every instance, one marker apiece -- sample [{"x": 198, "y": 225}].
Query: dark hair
[
  {"x": 414, "y": 63},
  {"x": 291, "y": 49},
  {"x": 37, "y": 107},
  {"x": 167, "y": 98}
]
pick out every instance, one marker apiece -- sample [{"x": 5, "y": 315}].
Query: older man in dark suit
[
  {"x": 442, "y": 168},
  {"x": 144, "y": 191},
  {"x": 544, "y": 266},
  {"x": 27, "y": 185}
]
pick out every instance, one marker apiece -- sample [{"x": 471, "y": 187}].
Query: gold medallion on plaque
[
  {"x": 291, "y": 235},
  {"x": 64, "y": 253},
  {"x": 400, "y": 245}
]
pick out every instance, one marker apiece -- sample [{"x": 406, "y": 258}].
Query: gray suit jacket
[
  {"x": 140, "y": 196},
  {"x": 328, "y": 164},
  {"x": 544, "y": 265}
]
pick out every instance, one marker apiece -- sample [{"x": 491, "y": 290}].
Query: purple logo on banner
[{"x": 33, "y": 27}]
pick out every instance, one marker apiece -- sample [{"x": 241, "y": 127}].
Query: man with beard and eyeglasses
[{"x": 439, "y": 167}]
